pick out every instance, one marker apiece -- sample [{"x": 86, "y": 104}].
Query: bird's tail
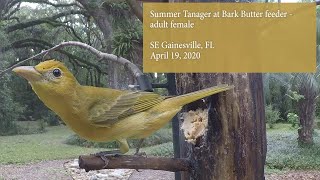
[{"x": 190, "y": 97}]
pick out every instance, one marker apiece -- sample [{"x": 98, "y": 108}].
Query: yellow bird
[{"x": 104, "y": 114}]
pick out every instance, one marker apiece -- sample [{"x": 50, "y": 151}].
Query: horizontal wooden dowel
[{"x": 91, "y": 162}]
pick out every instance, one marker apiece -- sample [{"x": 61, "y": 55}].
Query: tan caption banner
[{"x": 229, "y": 37}]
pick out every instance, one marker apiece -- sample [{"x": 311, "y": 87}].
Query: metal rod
[
  {"x": 145, "y": 85},
  {"x": 175, "y": 121},
  {"x": 156, "y": 85}
]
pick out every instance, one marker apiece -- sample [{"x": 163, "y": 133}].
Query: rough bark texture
[
  {"x": 306, "y": 109},
  {"x": 234, "y": 147},
  {"x": 133, "y": 162}
]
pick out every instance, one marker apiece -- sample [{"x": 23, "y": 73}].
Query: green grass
[
  {"x": 283, "y": 150},
  {"x": 28, "y": 124},
  {"x": 165, "y": 150},
  {"x": 161, "y": 136},
  {"x": 51, "y": 145},
  {"x": 38, "y": 147},
  {"x": 284, "y": 153}
]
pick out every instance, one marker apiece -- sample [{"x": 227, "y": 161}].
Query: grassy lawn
[
  {"x": 50, "y": 146},
  {"x": 37, "y": 147},
  {"x": 284, "y": 152}
]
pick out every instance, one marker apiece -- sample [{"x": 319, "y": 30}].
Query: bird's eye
[{"x": 56, "y": 72}]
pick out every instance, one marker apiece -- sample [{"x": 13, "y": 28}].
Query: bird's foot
[
  {"x": 143, "y": 154},
  {"x": 105, "y": 154}
]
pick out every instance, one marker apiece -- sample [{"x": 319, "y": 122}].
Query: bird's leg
[
  {"x": 104, "y": 154},
  {"x": 137, "y": 151},
  {"x": 138, "y": 148}
]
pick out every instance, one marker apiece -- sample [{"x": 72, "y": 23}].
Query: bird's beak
[{"x": 28, "y": 72}]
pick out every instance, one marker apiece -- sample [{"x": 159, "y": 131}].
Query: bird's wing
[{"x": 105, "y": 112}]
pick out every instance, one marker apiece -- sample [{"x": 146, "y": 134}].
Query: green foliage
[
  {"x": 78, "y": 141},
  {"x": 318, "y": 25},
  {"x": 42, "y": 126},
  {"x": 30, "y": 127},
  {"x": 293, "y": 119},
  {"x": 276, "y": 90},
  {"x": 35, "y": 110},
  {"x": 294, "y": 95},
  {"x": 162, "y": 136},
  {"x": 272, "y": 115},
  {"x": 10, "y": 111},
  {"x": 159, "y": 78},
  {"x": 163, "y": 150},
  {"x": 284, "y": 153},
  {"x": 124, "y": 39},
  {"x": 51, "y": 119},
  {"x": 119, "y": 6},
  {"x": 317, "y": 123}
]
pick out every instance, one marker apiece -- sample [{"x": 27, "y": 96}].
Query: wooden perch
[{"x": 91, "y": 162}]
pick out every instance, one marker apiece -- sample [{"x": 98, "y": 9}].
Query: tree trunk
[
  {"x": 234, "y": 146},
  {"x": 306, "y": 109},
  {"x": 305, "y": 135},
  {"x": 118, "y": 76}
]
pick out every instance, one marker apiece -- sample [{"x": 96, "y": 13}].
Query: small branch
[
  {"x": 73, "y": 31},
  {"x": 103, "y": 56},
  {"x": 50, "y": 3},
  {"x": 27, "y": 24},
  {"x": 12, "y": 18},
  {"x": 21, "y": 62},
  {"x": 92, "y": 162},
  {"x": 31, "y": 42},
  {"x": 9, "y": 14}
]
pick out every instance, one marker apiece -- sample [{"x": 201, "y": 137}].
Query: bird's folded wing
[{"x": 105, "y": 113}]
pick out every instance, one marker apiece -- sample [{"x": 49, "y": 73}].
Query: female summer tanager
[{"x": 103, "y": 114}]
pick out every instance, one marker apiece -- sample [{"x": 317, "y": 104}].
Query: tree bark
[
  {"x": 306, "y": 109},
  {"x": 305, "y": 134},
  {"x": 133, "y": 162},
  {"x": 234, "y": 146}
]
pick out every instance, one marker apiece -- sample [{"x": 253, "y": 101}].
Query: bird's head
[{"x": 51, "y": 75}]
